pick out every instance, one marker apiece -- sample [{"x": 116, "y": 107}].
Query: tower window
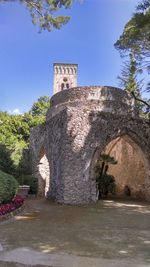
[
  {"x": 60, "y": 70},
  {"x": 62, "y": 86},
  {"x": 65, "y": 79}
]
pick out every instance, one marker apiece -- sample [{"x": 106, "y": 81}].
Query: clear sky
[{"x": 27, "y": 57}]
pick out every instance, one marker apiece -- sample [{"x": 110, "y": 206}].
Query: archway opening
[
  {"x": 43, "y": 174},
  {"x": 130, "y": 170}
]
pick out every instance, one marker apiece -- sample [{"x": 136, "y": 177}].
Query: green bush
[
  {"x": 29, "y": 180},
  {"x": 8, "y": 187},
  {"x": 106, "y": 184}
]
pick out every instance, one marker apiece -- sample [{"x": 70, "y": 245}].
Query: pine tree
[
  {"x": 129, "y": 76},
  {"x": 129, "y": 82},
  {"x": 44, "y": 12}
]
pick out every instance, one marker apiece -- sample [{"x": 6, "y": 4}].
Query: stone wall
[
  {"x": 81, "y": 122},
  {"x": 101, "y": 98}
]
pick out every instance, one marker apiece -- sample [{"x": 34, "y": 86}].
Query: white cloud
[{"x": 16, "y": 111}]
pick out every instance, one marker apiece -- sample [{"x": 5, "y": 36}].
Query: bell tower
[{"x": 65, "y": 76}]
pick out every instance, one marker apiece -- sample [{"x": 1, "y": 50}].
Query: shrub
[
  {"x": 106, "y": 184},
  {"x": 8, "y": 187}
]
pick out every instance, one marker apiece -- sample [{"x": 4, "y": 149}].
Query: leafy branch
[{"x": 43, "y": 12}]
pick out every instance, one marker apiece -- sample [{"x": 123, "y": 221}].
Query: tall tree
[
  {"x": 129, "y": 82},
  {"x": 136, "y": 34},
  {"x": 136, "y": 39},
  {"x": 128, "y": 79},
  {"x": 43, "y": 12}
]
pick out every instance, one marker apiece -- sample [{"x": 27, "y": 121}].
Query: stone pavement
[{"x": 107, "y": 234}]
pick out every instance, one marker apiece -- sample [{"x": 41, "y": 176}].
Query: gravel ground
[{"x": 108, "y": 234}]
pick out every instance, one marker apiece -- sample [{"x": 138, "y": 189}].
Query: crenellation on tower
[{"x": 65, "y": 76}]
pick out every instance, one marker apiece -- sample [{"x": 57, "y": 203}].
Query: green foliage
[
  {"x": 143, "y": 5},
  {"x": 136, "y": 33},
  {"x": 128, "y": 79},
  {"x": 8, "y": 187},
  {"x": 43, "y": 12},
  {"x": 29, "y": 180},
  {"x": 135, "y": 40},
  {"x": 40, "y": 107},
  {"x": 105, "y": 182},
  {"x": 6, "y": 163},
  {"x": 15, "y": 132},
  {"x": 106, "y": 158},
  {"x": 102, "y": 163}
]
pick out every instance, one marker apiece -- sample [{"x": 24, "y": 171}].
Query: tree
[
  {"x": 43, "y": 12},
  {"x": 40, "y": 107},
  {"x": 6, "y": 163},
  {"x": 15, "y": 133},
  {"x": 128, "y": 79},
  {"x": 105, "y": 182},
  {"x": 136, "y": 39},
  {"x": 129, "y": 82},
  {"x": 136, "y": 34}
]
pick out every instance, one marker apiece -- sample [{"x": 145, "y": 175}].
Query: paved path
[{"x": 106, "y": 234}]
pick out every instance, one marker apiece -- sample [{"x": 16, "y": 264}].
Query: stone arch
[
  {"x": 43, "y": 173},
  {"x": 81, "y": 121},
  {"x": 125, "y": 148}
]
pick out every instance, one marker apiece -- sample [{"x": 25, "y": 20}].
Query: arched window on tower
[
  {"x": 62, "y": 86},
  {"x": 67, "y": 85},
  {"x": 60, "y": 70}
]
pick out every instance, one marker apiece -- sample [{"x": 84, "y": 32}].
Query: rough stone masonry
[{"x": 80, "y": 124}]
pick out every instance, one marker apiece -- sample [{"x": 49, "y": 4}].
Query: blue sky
[{"x": 27, "y": 57}]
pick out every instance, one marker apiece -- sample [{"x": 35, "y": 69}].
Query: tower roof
[{"x": 65, "y": 64}]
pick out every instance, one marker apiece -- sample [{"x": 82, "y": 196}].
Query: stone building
[
  {"x": 65, "y": 76},
  {"x": 82, "y": 123}
]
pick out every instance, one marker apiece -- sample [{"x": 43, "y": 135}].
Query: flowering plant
[{"x": 16, "y": 202}]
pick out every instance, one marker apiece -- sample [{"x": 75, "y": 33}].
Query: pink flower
[{"x": 14, "y": 204}]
